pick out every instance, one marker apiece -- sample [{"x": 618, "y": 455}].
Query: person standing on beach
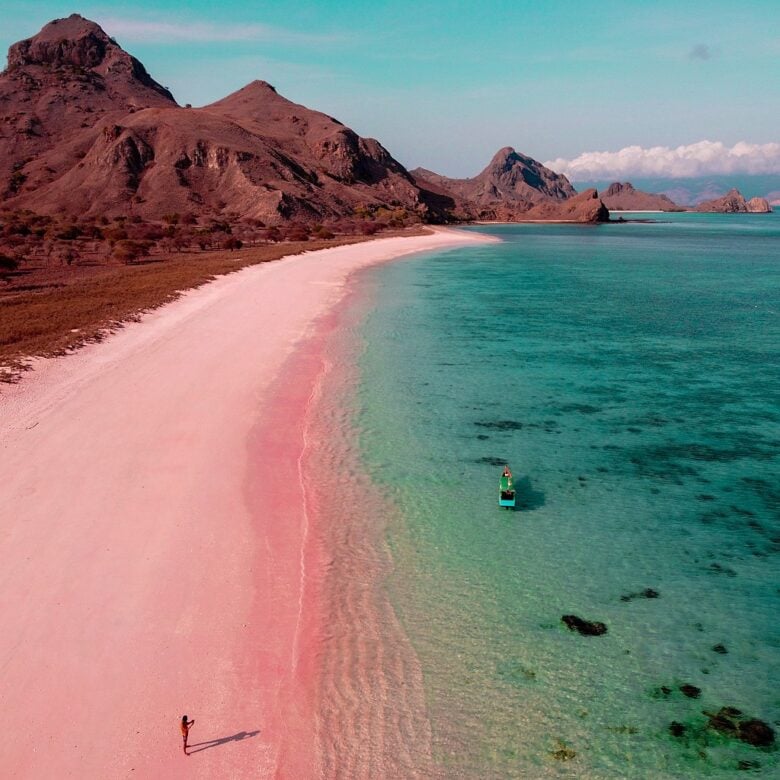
[{"x": 185, "y": 730}]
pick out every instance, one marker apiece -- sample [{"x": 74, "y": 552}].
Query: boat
[{"x": 506, "y": 489}]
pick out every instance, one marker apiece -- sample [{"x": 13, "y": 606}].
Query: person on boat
[
  {"x": 507, "y": 472},
  {"x": 185, "y": 730}
]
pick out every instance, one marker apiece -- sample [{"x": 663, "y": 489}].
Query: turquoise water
[{"x": 630, "y": 375}]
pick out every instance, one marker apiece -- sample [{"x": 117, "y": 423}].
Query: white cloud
[
  {"x": 704, "y": 158},
  {"x": 203, "y": 32}
]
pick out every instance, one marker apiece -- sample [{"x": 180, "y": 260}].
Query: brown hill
[
  {"x": 624, "y": 197},
  {"x": 515, "y": 188},
  {"x": 733, "y": 202},
  {"x": 87, "y": 131},
  {"x": 511, "y": 183}
]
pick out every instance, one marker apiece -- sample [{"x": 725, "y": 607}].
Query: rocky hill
[
  {"x": 87, "y": 131},
  {"x": 733, "y": 202},
  {"x": 512, "y": 187},
  {"x": 624, "y": 197}
]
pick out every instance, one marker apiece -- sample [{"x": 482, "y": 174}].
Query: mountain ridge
[{"x": 89, "y": 132}]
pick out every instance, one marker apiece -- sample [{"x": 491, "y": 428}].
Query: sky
[{"x": 444, "y": 84}]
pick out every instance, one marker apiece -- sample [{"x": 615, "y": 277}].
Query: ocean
[{"x": 630, "y": 375}]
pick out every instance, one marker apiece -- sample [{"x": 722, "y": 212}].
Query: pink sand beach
[{"x": 161, "y": 543}]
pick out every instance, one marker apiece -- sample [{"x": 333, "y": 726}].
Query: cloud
[
  {"x": 704, "y": 158},
  {"x": 701, "y": 52},
  {"x": 143, "y": 31}
]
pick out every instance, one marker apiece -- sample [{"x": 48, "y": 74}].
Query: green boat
[{"x": 506, "y": 489}]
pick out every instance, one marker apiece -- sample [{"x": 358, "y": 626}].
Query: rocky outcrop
[
  {"x": 585, "y": 207},
  {"x": 79, "y": 44},
  {"x": 759, "y": 206},
  {"x": 733, "y": 202},
  {"x": 624, "y": 197}
]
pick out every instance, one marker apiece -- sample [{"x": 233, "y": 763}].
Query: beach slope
[{"x": 138, "y": 579}]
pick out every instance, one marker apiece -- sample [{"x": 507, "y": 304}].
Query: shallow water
[{"x": 630, "y": 375}]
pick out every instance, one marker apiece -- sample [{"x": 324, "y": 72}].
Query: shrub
[
  {"x": 297, "y": 233},
  {"x": 129, "y": 251},
  {"x": 8, "y": 264},
  {"x": 69, "y": 233},
  {"x": 232, "y": 243}
]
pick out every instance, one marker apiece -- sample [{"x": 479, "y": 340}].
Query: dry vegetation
[{"x": 54, "y": 302}]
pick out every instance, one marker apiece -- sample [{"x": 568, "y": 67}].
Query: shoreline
[{"x": 140, "y": 578}]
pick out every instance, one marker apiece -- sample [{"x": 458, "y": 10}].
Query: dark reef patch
[
  {"x": 647, "y": 593},
  {"x": 730, "y": 722},
  {"x": 691, "y": 691},
  {"x": 491, "y": 461},
  {"x": 515, "y": 673},
  {"x": 500, "y": 425},
  {"x": 719, "y": 568},
  {"x": 584, "y": 627}
]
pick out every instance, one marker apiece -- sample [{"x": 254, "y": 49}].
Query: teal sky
[{"x": 446, "y": 84}]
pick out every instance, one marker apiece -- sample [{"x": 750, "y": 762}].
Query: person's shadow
[{"x": 211, "y": 743}]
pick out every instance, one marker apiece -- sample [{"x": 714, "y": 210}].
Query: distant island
[{"x": 733, "y": 202}]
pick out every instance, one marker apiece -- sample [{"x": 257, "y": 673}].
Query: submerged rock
[
  {"x": 647, "y": 593},
  {"x": 500, "y": 425},
  {"x": 691, "y": 691},
  {"x": 563, "y": 753},
  {"x": 730, "y": 721},
  {"x": 756, "y": 732},
  {"x": 676, "y": 729},
  {"x": 584, "y": 627},
  {"x": 491, "y": 461}
]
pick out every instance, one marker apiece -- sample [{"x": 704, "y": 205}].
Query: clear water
[{"x": 630, "y": 375}]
